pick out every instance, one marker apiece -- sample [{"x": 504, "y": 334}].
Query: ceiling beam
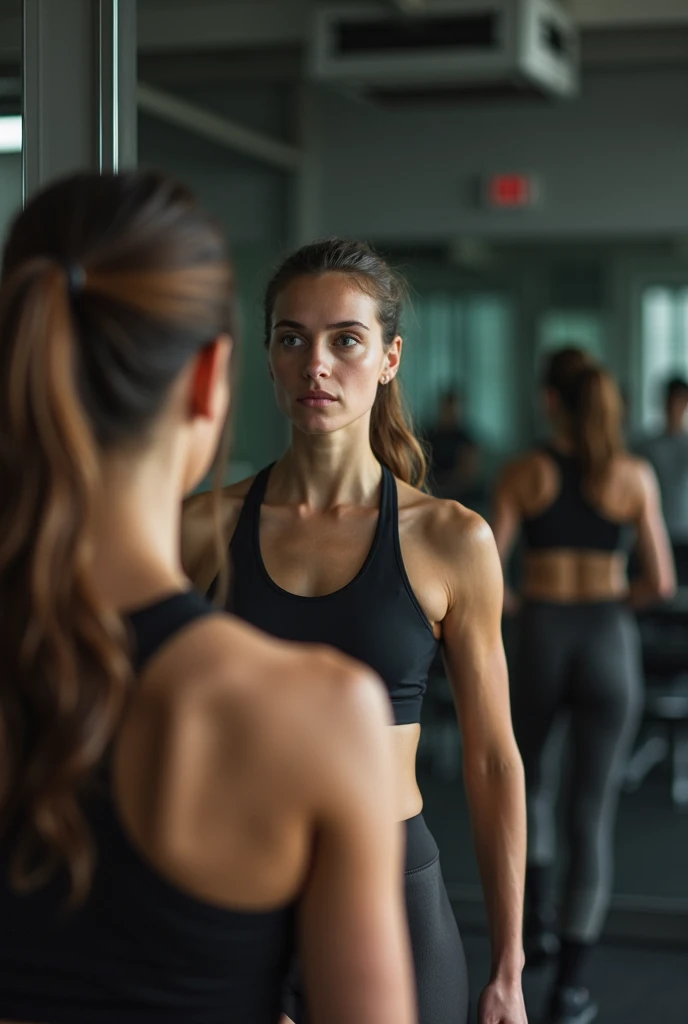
[{"x": 221, "y": 130}]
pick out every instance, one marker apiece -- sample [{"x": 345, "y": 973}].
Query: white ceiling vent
[{"x": 459, "y": 47}]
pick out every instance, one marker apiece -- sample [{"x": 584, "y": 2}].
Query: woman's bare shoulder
[
  {"x": 198, "y": 508},
  {"x": 292, "y": 706},
  {"x": 636, "y": 479},
  {"x": 199, "y": 555},
  {"x": 632, "y": 464},
  {"x": 242, "y": 743},
  {"x": 446, "y": 526}
]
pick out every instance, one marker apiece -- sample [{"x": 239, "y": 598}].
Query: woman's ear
[
  {"x": 210, "y": 369},
  {"x": 393, "y": 359}
]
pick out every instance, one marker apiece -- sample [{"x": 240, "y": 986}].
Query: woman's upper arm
[
  {"x": 474, "y": 650},
  {"x": 355, "y": 950},
  {"x": 654, "y": 549}
]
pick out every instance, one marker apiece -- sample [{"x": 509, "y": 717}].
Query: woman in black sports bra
[
  {"x": 337, "y": 543},
  {"x": 575, "y": 500},
  {"x": 176, "y": 787}
]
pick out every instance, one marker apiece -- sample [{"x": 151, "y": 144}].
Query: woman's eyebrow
[
  {"x": 289, "y": 323},
  {"x": 296, "y": 326},
  {"x": 347, "y": 323}
]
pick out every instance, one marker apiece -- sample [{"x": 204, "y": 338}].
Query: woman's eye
[
  {"x": 291, "y": 341},
  {"x": 347, "y": 341}
]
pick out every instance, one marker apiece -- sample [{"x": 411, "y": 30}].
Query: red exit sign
[{"x": 511, "y": 191}]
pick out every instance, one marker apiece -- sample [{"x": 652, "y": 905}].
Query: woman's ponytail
[
  {"x": 65, "y": 667},
  {"x": 392, "y": 438},
  {"x": 111, "y": 285},
  {"x": 591, "y": 403},
  {"x": 595, "y": 410}
]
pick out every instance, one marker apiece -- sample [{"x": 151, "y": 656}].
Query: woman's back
[
  {"x": 576, "y": 535},
  {"x": 202, "y": 818},
  {"x": 580, "y": 498},
  {"x": 550, "y": 474}
]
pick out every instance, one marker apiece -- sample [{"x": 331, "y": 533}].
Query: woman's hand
[{"x": 502, "y": 1003}]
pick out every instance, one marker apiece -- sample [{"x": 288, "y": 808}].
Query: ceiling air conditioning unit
[{"x": 449, "y": 47}]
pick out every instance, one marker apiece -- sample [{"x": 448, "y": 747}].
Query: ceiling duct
[{"x": 456, "y": 47}]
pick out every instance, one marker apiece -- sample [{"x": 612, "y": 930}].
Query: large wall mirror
[{"x": 523, "y": 220}]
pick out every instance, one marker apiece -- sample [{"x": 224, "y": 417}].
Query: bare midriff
[
  {"x": 405, "y": 748},
  {"x": 572, "y": 577}
]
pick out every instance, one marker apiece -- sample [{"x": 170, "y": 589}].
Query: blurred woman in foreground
[{"x": 174, "y": 784}]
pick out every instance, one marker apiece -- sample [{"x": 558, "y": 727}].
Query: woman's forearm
[{"x": 496, "y": 796}]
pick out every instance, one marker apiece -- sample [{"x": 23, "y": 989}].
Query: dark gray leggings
[
  {"x": 579, "y": 663},
  {"x": 438, "y": 956}
]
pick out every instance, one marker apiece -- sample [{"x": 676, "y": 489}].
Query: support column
[{"x": 79, "y": 96}]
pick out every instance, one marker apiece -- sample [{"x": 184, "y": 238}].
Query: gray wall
[
  {"x": 248, "y": 198},
  {"x": 612, "y": 162}
]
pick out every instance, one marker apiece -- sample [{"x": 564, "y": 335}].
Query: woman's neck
[
  {"x": 137, "y": 535},
  {"x": 327, "y": 470}
]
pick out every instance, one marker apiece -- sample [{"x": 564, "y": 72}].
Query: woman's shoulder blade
[{"x": 295, "y": 687}]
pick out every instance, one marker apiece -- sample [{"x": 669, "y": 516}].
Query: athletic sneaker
[{"x": 572, "y": 1006}]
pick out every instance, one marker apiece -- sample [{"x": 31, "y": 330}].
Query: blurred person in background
[
  {"x": 579, "y": 653},
  {"x": 668, "y": 453},
  {"x": 175, "y": 786},
  {"x": 337, "y": 543},
  {"x": 454, "y": 453}
]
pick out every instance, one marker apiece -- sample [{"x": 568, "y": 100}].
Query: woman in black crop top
[
  {"x": 336, "y": 543},
  {"x": 160, "y": 828},
  {"x": 575, "y": 500}
]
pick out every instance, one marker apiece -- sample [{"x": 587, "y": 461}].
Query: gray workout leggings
[
  {"x": 438, "y": 956},
  {"x": 581, "y": 663}
]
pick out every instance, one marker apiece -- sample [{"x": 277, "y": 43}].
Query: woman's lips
[{"x": 317, "y": 401}]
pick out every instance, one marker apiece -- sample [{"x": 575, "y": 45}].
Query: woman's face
[{"x": 326, "y": 352}]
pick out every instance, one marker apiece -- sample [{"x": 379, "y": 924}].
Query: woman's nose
[{"x": 317, "y": 363}]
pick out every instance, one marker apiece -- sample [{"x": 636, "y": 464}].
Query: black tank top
[
  {"x": 572, "y": 521},
  {"x": 375, "y": 618},
  {"x": 140, "y": 949}
]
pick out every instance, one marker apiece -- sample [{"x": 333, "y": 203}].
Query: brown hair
[
  {"x": 391, "y": 433},
  {"x": 110, "y": 285},
  {"x": 591, "y": 400}
]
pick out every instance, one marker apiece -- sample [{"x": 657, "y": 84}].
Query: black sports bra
[
  {"x": 375, "y": 618},
  {"x": 572, "y": 521},
  {"x": 140, "y": 949}
]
